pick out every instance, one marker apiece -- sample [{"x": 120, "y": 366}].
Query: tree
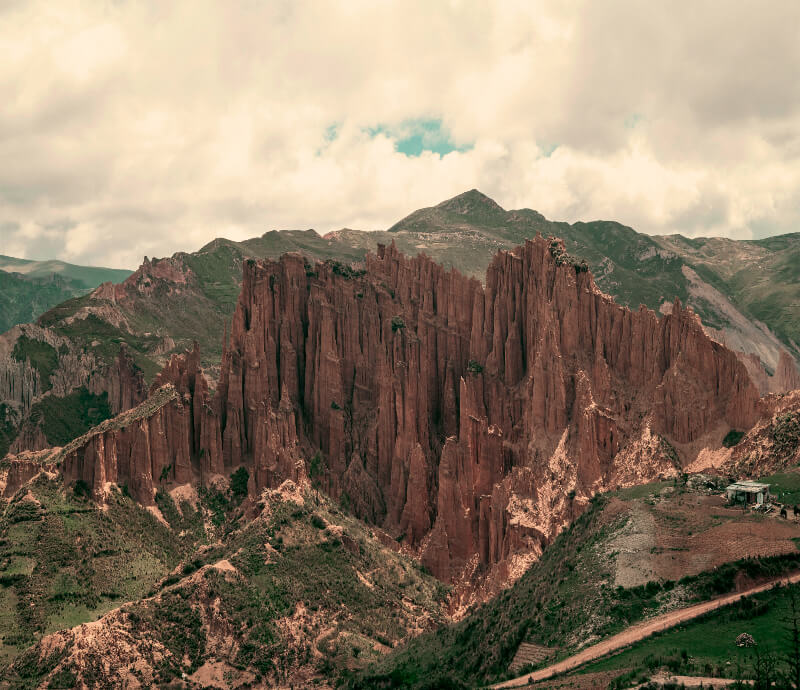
[
  {"x": 239, "y": 481},
  {"x": 792, "y": 626},
  {"x": 765, "y": 669}
]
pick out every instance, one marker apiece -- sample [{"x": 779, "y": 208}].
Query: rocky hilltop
[{"x": 470, "y": 421}]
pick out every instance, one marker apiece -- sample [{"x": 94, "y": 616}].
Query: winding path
[{"x": 640, "y": 631}]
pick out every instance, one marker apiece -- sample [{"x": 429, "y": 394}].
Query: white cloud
[{"x": 145, "y": 128}]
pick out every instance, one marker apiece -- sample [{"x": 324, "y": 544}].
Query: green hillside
[
  {"x": 306, "y": 591},
  {"x": 632, "y": 555},
  {"x": 29, "y": 288},
  {"x": 87, "y": 277}
]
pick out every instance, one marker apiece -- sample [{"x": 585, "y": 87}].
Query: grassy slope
[
  {"x": 23, "y": 299},
  {"x": 74, "y": 562},
  {"x": 62, "y": 419},
  {"x": 87, "y": 276},
  {"x": 64, "y": 562},
  {"x": 29, "y": 288},
  {"x": 564, "y": 601},
  {"x": 759, "y": 276},
  {"x": 706, "y": 646}
]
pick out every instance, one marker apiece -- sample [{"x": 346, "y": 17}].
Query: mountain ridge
[
  {"x": 468, "y": 422},
  {"x": 155, "y": 312}
]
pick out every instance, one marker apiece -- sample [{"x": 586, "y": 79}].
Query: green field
[
  {"x": 707, "y": 646},
  {"x": 784, "y": 486}
]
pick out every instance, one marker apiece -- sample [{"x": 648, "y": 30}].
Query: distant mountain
[
  {"x": 747, "y": 294},
  {"x": 87, "y": 276},
  {"x": 29, "y": 288}
]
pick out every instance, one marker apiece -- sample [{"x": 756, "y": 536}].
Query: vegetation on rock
[{"x": 40, "y": 355}]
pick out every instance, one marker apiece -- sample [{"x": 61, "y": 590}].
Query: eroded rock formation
[
  {"x": 786, "y": 377},
  {"x": 472, "y": 422}
]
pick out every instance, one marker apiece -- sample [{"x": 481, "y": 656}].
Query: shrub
[
  {"x": 239, "y": 481},
  {"x": 473, "y": 367},
  {"x": 165, "y": 473},
  {"x": 562, "y": 258},
  {"x": 397, "y": 323},
  {"x": 81, "y": 489},
  {"x": 347, "y": 272},
  {"x": 732, "y": 438},
  {"x": 316, "y": 466}
]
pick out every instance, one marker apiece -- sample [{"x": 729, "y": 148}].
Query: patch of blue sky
[
  {"x": 414, "y": 137},
  {"x": 633, "y": 120},
  {"x": 547, "y": 149},
  {"x": 331, "y": 132}
]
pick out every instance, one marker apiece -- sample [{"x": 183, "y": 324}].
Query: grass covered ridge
[
  {"x": 707, "y": 646},
  {"x": 305, "y": 590}
]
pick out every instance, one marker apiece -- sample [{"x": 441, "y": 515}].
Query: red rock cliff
[
  {"x": 461, "y": 416},
  {"x": 472, "y": 422}
]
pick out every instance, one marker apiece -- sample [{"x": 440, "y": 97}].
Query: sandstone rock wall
[
  {"x": 455, "y": 400},
  {"x": 470, "y": 422}
]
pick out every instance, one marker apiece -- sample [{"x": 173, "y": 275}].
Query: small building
[{"x": 748, "y": 492}]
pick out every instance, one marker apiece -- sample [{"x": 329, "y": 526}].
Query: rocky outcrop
[
  {"x": 30, "y": 437},
  {"x": 773, "y": 443},
  {"x": 19, "y": 383},
  {"x": 470, "y": 422},
  {"x": 124, "y": 383},
  {"x": 437, "y": 403},
  {"x": 786, "y": 377},
  {"x": 156, "y": 277},
  {"x": 138, "y": 448},
  {"x": 18, "y": 470},
  {"x": 175, "y": 436}
]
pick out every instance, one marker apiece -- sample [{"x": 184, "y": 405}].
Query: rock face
[
  {"x": 470, "y": 422},
  {"x": 21, "y": 386},
  {"x": 785, "y": 379},
  {"x": 457, "y": 401},
  {"x": 154, "y": 277},
  {"x": 773, "y": 444},
  {"x": 175, "y": 436},
  {"x": 16, "y": 471},
  {"x": 136, "y": 448}
]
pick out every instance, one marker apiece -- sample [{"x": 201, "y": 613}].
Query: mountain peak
[{"x": 469, "y": 202}]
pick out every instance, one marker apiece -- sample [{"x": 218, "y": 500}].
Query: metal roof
[{"x": 748, "y": 486}]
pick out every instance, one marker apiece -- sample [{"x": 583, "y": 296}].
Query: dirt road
[{"x": 638, "y": 632}]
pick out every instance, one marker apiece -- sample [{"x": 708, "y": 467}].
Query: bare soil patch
[{"x": 690, "y": 533}]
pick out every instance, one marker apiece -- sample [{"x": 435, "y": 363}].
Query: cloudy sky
[{"x": 132, "y": 128}]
